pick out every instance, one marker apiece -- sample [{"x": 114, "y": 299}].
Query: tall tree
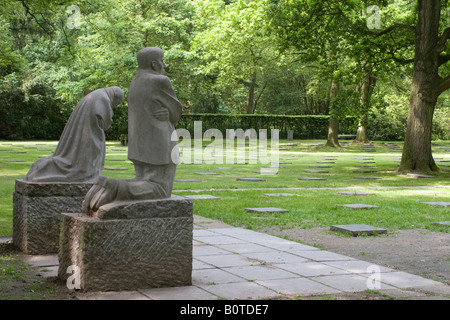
[{"x": 431, "y": 53}]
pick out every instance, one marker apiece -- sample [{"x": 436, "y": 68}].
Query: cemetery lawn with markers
[
  {"x": 414, "y": 241},
  {"x": 314, "y": 203}
]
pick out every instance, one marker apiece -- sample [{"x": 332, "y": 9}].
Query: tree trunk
[
  {"x": 417, "y": 156},
  {"x": 251, "y": 94},
  {"x": 366, "y": 93},
  {"x": 333, "y": 126}
]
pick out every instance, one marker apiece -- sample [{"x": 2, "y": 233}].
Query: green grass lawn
[{"x": 313, "y": 206}]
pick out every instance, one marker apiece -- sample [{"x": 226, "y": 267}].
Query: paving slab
[
  {"x": 350, "y": 282},
  {"x": 438, "y": 203},
  {"x": 240, "y": 291},
  {"x": 415, "y": 175},
  {"x": 297, "y": 286},
  {"x": 358, "y": 229},
  {"x": 266, "y": 210},
  {"x": 358, "y": 206},
  {"x": 250, "y": 179},
  {"x": 207, "y": 173},
  {"x": 201, "y": 197},
  {"x": 282, "y": 194}
]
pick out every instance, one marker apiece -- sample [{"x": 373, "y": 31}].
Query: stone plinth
[
  {"x": 129, "y": 245},
  {"x": 37, "y": 208}
]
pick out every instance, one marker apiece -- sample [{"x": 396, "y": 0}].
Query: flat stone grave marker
[
  {"x": 364, "y": 165},
  {"x": 364, "y": 171},
  {"x": 425, "y": 191},
  {"x": 320, "y": 166},
  {"x": 18, "y": 152},
  {"x": 250, "y": 179},
  {"x": 415, "y": 175},
  {"x": 365, "y": 161},
  {"x": 187, "y": 180},
  {"x": 358, "y": 206},
  {"x": 324, "y": 161},
  {"x": 224, "y": 168},
  {"x": 367, "y": 178},
  {"x": 443, "y": 223},
  {"x": 355, "y": 193},
  {"x": 202, "y": 197},
  {"x": 316, "y": 171},
  {"x": 266, "y": 172},
  {"x": 283, "y": 194},
  {"x": 266, "y": 210},
  {"x": 438, "y": 203},
  {"x": 358, "y": 229},
  {"x": 311, "y": 178},
  {"x": 206, "y": 173},
  {"x": 15, "y": 160}
]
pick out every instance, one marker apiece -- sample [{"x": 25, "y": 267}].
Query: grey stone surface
[
  {"x": 443, "y": 223},
  {"x": 250, "y": 179},
  {"x": 207, "y": 173},
  {"x": 316, "y": 171},
  {"x": 187, "y": 180},
  {"x": 144, "y": 244},
  {"x": 282, "y": 194},
  {"x": 201, "y": 197},
  {"x": 358, "y": 206},
  {"x": 415, "y": 175},
  {"x": 266, "y": 210},
  {"x": 358, "y": 229},
  {"x": 37, "y": 208},
  {"x": 438, "y": 203}
]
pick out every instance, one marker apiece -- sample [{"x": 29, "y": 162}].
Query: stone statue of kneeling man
[{"x": 153, "y": 110}]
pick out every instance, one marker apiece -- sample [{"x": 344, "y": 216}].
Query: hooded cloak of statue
[{"x": 80, "y": 153}]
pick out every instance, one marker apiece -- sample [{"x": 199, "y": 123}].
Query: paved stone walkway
[{"x": 234, "y": 263}]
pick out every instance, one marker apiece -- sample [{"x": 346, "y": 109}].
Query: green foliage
[
  {"x": 31, "y": 112},
  {"x": 224, "y": 57}
]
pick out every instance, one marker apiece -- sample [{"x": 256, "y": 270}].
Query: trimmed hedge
[{"x": 303, "y": 126}]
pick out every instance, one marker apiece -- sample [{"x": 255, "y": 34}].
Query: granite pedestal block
[
  {"x": 37, "y": 208},
  {"x": 129, "y": 245}
]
